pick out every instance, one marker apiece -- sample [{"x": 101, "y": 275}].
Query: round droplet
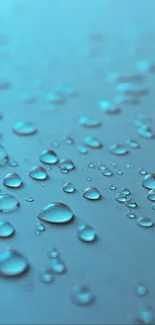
[
  {"x": 54, "y": 253},
  {"x": 125, "y": 191},
  {"x": 46, "y": 276},
  {"x": 112, "y": 187},
  {"x": 6, "y": 229},
  {"x": 12, "y": 263},
  {"x": 40, "y": 226},
  {"x": 92, "y": 142},
  {"x": 57, "y": 265},
  {"x": 12, "y": 180},
  {"x": 68, "y": 188},
  {"x": 24, "y": 128},
  {"x": 81, "y": 295},
  {"x": 85, "y": 121},
  {"x": 118, "y": 149},
  {"x": 131, "y": 203},
  {"x": 3, "y": 156},
  {"x": 13, "y": 163},
  {"x": 38, "y": 173},
  {"x": 149, "y": 181},
  {"x": 86, "y": 233},
  {"x": 29, "y": 199},
  {"x": 107, "y": 172},
  {"x": 48, "y": 157},
  {"x": 142, "y": 171},
  {"x": 133, "y": 144},
  {"x": 91, "y": 193},
  {"x": 145, "y": 316},
  {"x": 66, "y": 164},
  {"x": 145, "y": 222},
  {"x": 68, "y": 140},
  {"x": 119, "y": 172},
  {"x": 56, "y": 213},
  {"x": 82, "y": 149},
  {"x": 91, "y": 165},
  {"x": 120, "y": 197},
  {"x": 141, "y": 290},
  {"x": 131, "y": 215},
  {"x": 151, "y": 195},
  {"x": 8, "y": 203},
  {"x": 145, "y": 132}
]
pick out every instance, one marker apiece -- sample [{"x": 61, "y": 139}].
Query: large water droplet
[
  {"x": 46, "y": 276},
  {"x": 38, "y": 173},
  {"x": 66, "y": 164},
  {"x": 3, "y": 156},
  {"x": 89, "y": 122},
  {"x": 68, "y": 188},
  {"x": 92, "y": 142},
  {"x": 48, "y": 157},
  {"x": 57, "y": 265},
  {"x": 6, "y": 229},
  {"x": 56, "y": 213},
  {"x": 81, "y": 295},
  {"x": 8, "y": 203},
  {"x": 149, "y": 181},
  {"x": 12, "y": 180},
  {"x": 91, "y": 193},
  {"x": 24, "y": 128},
  {"x": 118, "y": 149},
  {"x": 86, "y": 233},
  {"x": 12, "y": 263},
  {"x": 145, "y": 222}
]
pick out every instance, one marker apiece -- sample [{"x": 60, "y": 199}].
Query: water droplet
[
  {"x": 91, "y": 193},
  {"x": 68, "y": 188},
  {"x": 119, "y": 172},
  {"x": 92, "y": 142},
  {"x": 48, "y": 157},
  {"x": 112, "y": 187},
  {"x": 40, "y": 226},
  {"x": 131, "y": 215},
  {"x": 133, "y": 144},
  {"x": 86, "y": 233},
  {"x": 8, "y": 203},
  {"x": 101, "y": 166},
  {"x": 6, "y": 229},
  {"x": 28, "y": 99},
  {"x": 120, "y": 197},
  {"x": 129, "y": 166},
  {"x": 85, "y": 121},
  {"x": 56, "y": 213},
  {"x": 38, "y": 173},
  {"x": 56, "y": 99},
  {"x": 24, "y": 128},
  {"x": 151, "y": 195},
  {"x": 54, "y": 253},
  {"x": 107, "y": 172},
  {"x": 141, "y": 290},
  {"x": 118, "y": 149},
  {"x": 12, "y": 263},
  {"x": 145, "y": 222},
  {"x": 46, "y": 276},
  {"x": 82, "y": 149},
  {"x": 145, "y": 316},
  {"x": 142, "y": 171},
  {"x": 153, "y": 206},
  {"x": 13, "y": 163},
  {"x": 88, "y": 179},
  {"x": 29, "y": 199},
  {"x": 12, "y": 180},
  {"x": 125, "y": 191},
  {"x": 3, "y": 156},
  {"x": 66, "y": 164},
  {"x": 91, "y": 165},
  {"x": 57, "y": 265},
  {"x": 81, "y": 295},
  {"x": 108, "y": 107},
  {"x": 145, "y": 132},
  {"x": 149, "y": 181},
  {"x": 131, "y": 203},
  {"x": 68, "y": 140}
]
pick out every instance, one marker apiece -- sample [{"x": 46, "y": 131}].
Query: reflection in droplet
[
  {"x": 6, "y": 229},
  {"x": 81, "y": 295},
  {"x": 149, "y": 181},
  {"x": 91, "y": 193},
  {"x": 12, "y": 263},
  {"x": 12, "y": 180},
  {"x": 24, "y": 128},
  {"x": 118, "y": 149},
  {"x": 56, "y": 213},
  {"x": 38, "y": 173},
  {"x": 92, "y": 142},
  {"x": 8, "y": 203},
  {"x": 145, "y": 222},
  {"x": 68, "y": 188},
  {"x": 86, "y": 233},
  {"x": 48, "y": 157},
  {"x": 46, "y": 276}
]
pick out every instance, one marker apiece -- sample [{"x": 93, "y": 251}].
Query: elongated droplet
[
  {"x": 149, "y": 181},
  {"x": 56, "y": 213},
  {"x": 118, "y": 149},
  {"x": 93, "y": 142},
  {"x": 120, "y": 197},
  {"x": 91, "y": 193},
  {"x": 24, "y": 128},
  {"x": 145, "y": 132},
  {"x": 88, "y": 122},
  {"x": 56, "y": 99},
  {"x": 107, "y": 172},
  {"x": 86, "y": 233},
  {"x": 133, "y": 144},
  {"x": 145, "y": 222},
  {"x": 57, "y": 265},
  {"x": 29, "y": 199},
  {"x": 48, "y": 157},
  {"x": 131, "y": 203},
  {"x": 125, "y": 191},
  {"x": 12, "y": 263},
  {"x": 66, "y": 164},
  {"x": 46, "y": 276},
  {"x": 8, "y": 203},
  {"x": 81, "y": 295},
  {"x": 68, "y": 188},
  {"x": 6, "y": 229},
  {"x": 38, "y": 173},
  {"x": 12, "y": 180},
  {"x": 3, "y": 156}
]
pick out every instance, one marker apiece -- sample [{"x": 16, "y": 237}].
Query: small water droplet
[
  {"x": 88, "y": 179},
  {"x": 145, "y": 222},
  {"x": 54, "y": 253},
  {"x": 108, "y": 107},
  {"x": 40, "y": 226},
  {"x": 112, "y": 187},
  {"x": 133, "y": 144},
  {"x": 82, "y": 149},
  {"x": 8, "y": 203},
  {"x": 81, "y": 295},
  {"x": 145, "y": 132},
  {"x": 57, "y": 265},
  {"x": 6, "y": 229},
  {"x": 56, "y": 213},
  {"x": 66, "y": 165},
  {"x": 91, "y": 193},
  {"x": 119, "y": 172},
  {"x": 68, "y": 188},
  {"x": 131, "y": 215},
  {"x": 12, "y": 263},
  {"x": 3, "y": 156},
  {"x": 48, "y": 157},
  {"x": 92, "y": 142},
  {"x": 38, "y": 173},
  {"x": 118, "y": 149},
  {"x": 86, "y": 233},
  {"x": 12, "y": 180},
  {"x": 29, "y": 199},
  {"x": 46, "y": 276},
  {"x": 56, "y": 99},
  {"x": 107, "y": 172},
  {"x": 68, "y": 140},
  {"x": 91, "y": 165},
  {"x": 149, "y": 181},
  {"x": 85, "y": 121},
  {"x": 142, "y": 171},
  {"x": 131, "y": 203},
  {"x": 24, "y": 128},
  {"x": 13, "y": 163},
  {"x": 141, "y": 290},
  {"x": 120, "y": 197},
  {"x": 125, "y": 191},
  {"x": 153, "y": 206},
  {"x": 145, "y": 316}
]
